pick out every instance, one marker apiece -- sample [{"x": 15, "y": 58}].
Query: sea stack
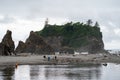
[
  {"x": 77, "y": 36},
  {"x": 7, "y": 45},
  {"x": 34, "y": 44}
]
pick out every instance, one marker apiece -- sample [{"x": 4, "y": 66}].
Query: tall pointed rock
[
  {"x": 34, "y": 44},
  {"x": 8, "y": 42}
]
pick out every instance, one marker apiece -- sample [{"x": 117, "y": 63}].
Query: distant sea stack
[
  {"x": 34, "y": 44},
  {"x": 76, "y": 36},
  {"x": 21, "y": 47},
  {"x": 7, "y": 45}
]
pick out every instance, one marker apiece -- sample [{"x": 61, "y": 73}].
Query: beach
[{"x": 60, "y": 59}]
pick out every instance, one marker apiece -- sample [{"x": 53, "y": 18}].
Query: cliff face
[
  {"x": 54, "y": 42},
  {"x": 34, "y": 44},
  {"x": 94, "y": 46},
  {"x": 7, "y": 45},
  {"x": 77, "y": 36}
]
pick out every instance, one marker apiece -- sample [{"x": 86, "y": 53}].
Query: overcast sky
[{"x": 22, "y": 16}]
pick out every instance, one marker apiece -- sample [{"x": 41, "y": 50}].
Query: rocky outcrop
[
  {"x": 77, "y": 36},
  {"x": 54, "y": 42},
  {"x": 94, "y": 45},
  {"x": 7, "y": 45},
  {"x": 34, "y": 44},
  {"x": 21, "y": 47}
]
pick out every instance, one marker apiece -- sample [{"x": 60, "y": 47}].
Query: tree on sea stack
[
  {"x": 96, "y": 24},
  {"x": 46, "y": 22},
  {"x": 89, "y": 22}
]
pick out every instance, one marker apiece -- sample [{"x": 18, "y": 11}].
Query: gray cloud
[
  {"x": 7, "y": 19},
  {"x": 106, "y": 12}
]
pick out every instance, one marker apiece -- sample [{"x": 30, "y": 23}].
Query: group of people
[{"x": 55, "y": 57}]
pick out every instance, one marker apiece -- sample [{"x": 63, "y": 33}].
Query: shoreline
[{"x": 60, "y": 60}]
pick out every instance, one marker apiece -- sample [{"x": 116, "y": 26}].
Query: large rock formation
[
  {"x": 77, "y": 36},
  {"x": 34, "y": 44},
  {"x": 7, "y": 45},
  {"x": 94, "y": 45}
]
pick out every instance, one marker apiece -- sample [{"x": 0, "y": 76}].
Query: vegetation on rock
[{"x": 74, "y": 35}]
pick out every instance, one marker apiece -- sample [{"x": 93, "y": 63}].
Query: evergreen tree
[
  {"x": 89, "y": 22},
  {"x": 96, "y": 24},
  {"x": 46, "y": 22}
]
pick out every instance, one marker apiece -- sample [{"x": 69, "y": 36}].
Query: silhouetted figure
[
  {"x": 44, "y": 56},
  {"x": 16, "y": 65},
  {"x": 48, "y": 58},
  {"x": 105, "y": 64},
  {"x": 55, "y": 57}
]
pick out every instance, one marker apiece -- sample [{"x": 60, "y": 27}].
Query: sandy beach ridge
[{"x": 60, "y": 59}]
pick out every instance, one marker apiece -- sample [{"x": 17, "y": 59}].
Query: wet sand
[{"x": 61, "y": 59}]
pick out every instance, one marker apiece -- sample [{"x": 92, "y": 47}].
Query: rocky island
[{"x": 72, "y": 37}]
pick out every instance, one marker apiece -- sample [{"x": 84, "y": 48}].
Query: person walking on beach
[{"x": 55, "y": 57}]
